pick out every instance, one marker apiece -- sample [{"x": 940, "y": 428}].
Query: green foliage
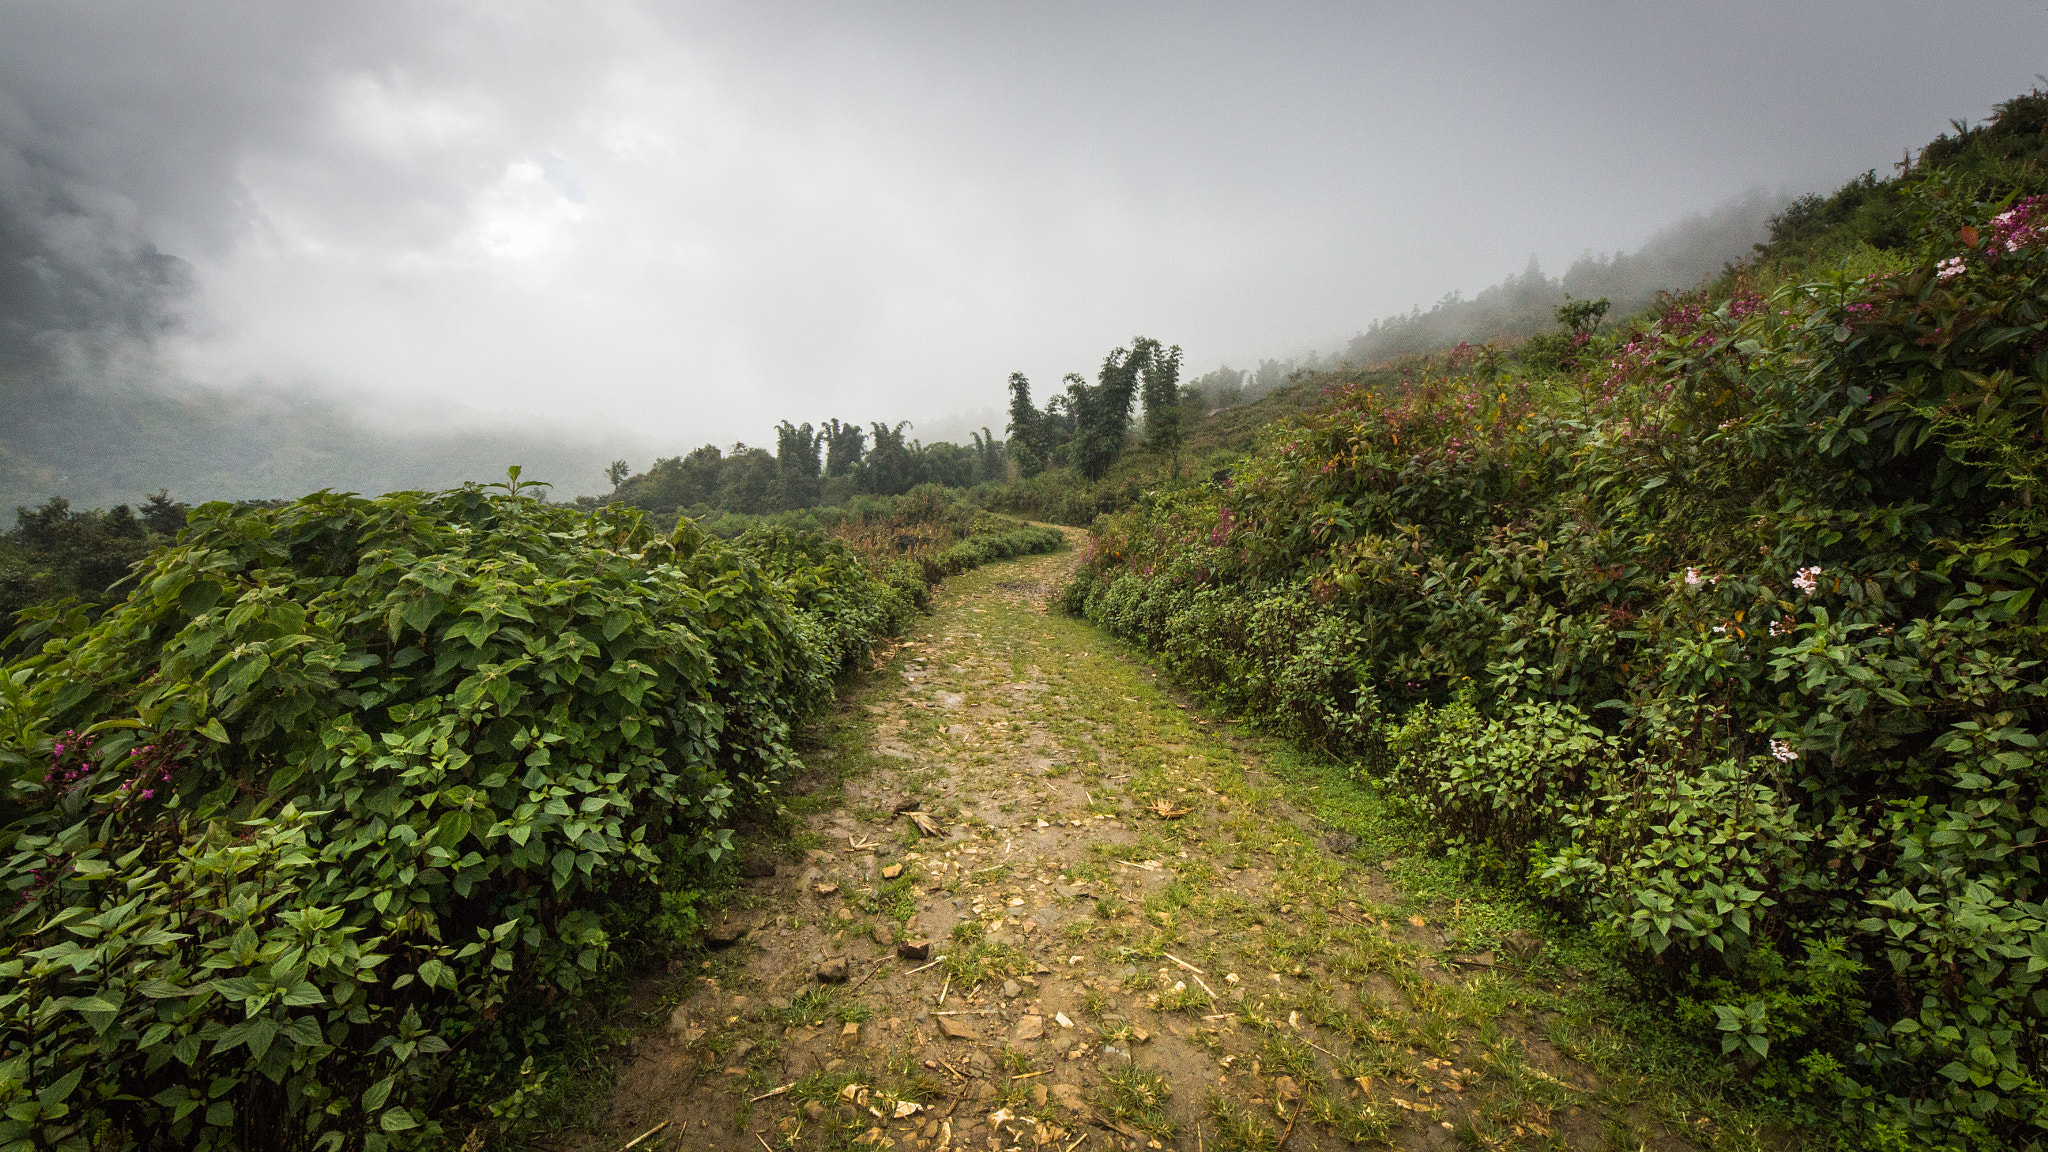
[
  {"x": 1730, "y": 640},
  {"x": 2005, "y": 153},
  {"x": 350, "y": 798}
]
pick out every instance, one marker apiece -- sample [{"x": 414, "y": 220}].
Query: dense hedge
[
  {"x": 350, "y": 797},
  {"x": 1732, "y": 642}
]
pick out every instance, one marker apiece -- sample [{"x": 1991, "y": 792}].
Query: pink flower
[
  {"x": 1950, "y": 268},
  {"x": 1782, "y": 752},
  {"x": 1808, "y": 580}
]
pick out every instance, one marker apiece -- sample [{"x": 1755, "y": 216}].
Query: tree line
[
  {"x": 811, "y": 465},
  {"x": 1086, "y": 428}
]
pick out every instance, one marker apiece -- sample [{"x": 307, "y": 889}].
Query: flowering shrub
[
  {"x": 345, "y": 782},
  {"x": 1732, "y": 642}
]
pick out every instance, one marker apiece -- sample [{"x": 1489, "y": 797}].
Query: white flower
[
  {"x": 1808, "y": 580},
  {"x": 1782, "y": 751},
  {"x": 1692, "y": 577},
  {"x": 1950, "y": 268},
  {"x": 1779, "y": 628}
]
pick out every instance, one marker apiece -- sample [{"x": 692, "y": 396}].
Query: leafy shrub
[
  {"x": 1730, "y": 639},
  {"x": 347, "y": 788}
]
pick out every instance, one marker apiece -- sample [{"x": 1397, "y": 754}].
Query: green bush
[
  {"x": 351, "y": 797},
  {"x": 1730, "y": 641}
]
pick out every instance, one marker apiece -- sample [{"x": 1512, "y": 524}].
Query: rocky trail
[{"x": 1045, "y": 904}]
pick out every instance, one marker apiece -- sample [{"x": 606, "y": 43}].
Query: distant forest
[{"x": 1676, "y": 259}]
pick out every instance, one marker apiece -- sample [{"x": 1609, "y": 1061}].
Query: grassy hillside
[{"x": 1722, "y": 631}]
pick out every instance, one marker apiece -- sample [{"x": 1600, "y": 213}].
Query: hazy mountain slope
[{"x": 111, "y": 444}]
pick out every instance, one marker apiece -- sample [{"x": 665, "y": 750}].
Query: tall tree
[
  {"x": 988, "y": 457},
  {"x": 796, "y": 465},
  {"x": 1163, "y": 428},
  {"x": 1027, "y": 429},
  {"x": 890, "y": 469},
  {"x": 1102, "y": 411},
  {"x": 844, "y": 446}
]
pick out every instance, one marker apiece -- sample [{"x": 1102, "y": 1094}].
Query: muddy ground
[{"x": 1110, "y": 933}]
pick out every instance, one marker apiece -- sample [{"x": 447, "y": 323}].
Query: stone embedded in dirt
[
  {"x": 1012, "y": 989},
  {"x": 1286, "y": 1090},
  {"x": 915, "y": 949},
  {"x": 1479, "y": 960},
  {"x": 1069, "y": 1096},
  {"x": 881, "y": 935},
  {"x": 814, "y": 1110},
  {"x": 955, "y": 1028},
  {"x": 844, "y": 913},
  {"x": 849, "y": 1035},
  {"x": 1523, "y": 945},
  {"x": 757, "y": 865},
  {"x": 824, "y": 889},
  {"x": 1061, "y": 1019},
  {"x": 1038, "y": 1096},
  {"x": 1031, "y": 1028},
  {"x": 891, "y": 871},
  {"x": 724, "y": 934},
  {"x": 679, "y": 1020},
  {"x": 832, "y": 971}
]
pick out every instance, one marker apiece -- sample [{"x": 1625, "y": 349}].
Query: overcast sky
[{"x": 693, "y": 219}]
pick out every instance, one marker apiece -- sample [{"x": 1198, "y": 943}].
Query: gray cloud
[{"x": 693, "y": 219}]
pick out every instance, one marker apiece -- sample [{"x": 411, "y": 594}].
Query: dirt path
[{"x": 1119, "y": 937}]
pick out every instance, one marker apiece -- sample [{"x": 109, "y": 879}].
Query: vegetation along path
[{"x": 1113, "y": 930}]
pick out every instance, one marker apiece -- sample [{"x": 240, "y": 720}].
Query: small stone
[
  {"x": 1031, "y": 1028},
  {"x": 724, "y": 933},
  {"x": 1523, "y": 945},
  {"x": 1061, "y": 1019},
  {"x": 824, "y": 889},
  {"x": 832, "y": 971},
  {"x": 849, "y": 1035},
  {"x": 679, "y": 1020},
  {"x": 757, "y": 865},
  {"x": 1286, "y": 1090},
  {"x": 891, "y": 871},
  {"x": 1012, "y": 989},
  {"x": 1069, "y": 1096},
  {"x": 955, "y": 1028},
  {"x": 1038, "y": 1096},
  {"x": 844, "y": 913},
  {"x": 814, "y": 1110},
  {"x": 881, "y": 934},
  {"x": 915, "y": 949}
]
